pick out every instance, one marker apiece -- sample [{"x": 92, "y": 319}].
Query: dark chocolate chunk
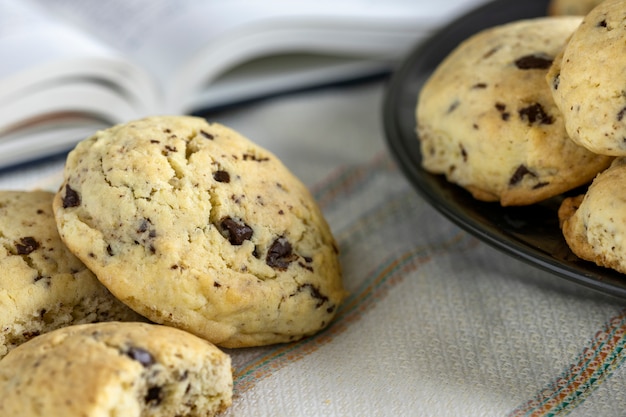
[
  {"x": 235, "y": 230},
  {"x": 154, "y": 396},
  {"x": 535, "y": 114},
  {"x": 207, "y": 135},
  {"x": 463, "y": 153},
  {"x": 315, "y": 293},
  {"x": 26, "y": 245},
  {"x": 252, "y": 157},
  {"x": 519, "y": 174},
  {"x": 602, "y": 23},
  {"x": 221, "y": 176},
  {"x": 620, "y": 114},
  {"x": 503, "y": 113},
  {"x": 280, "y": 254},
  {"x": 556, "y": 81},
  {"x": 533, "y": 61},
  {"x": 141, "y": 355},
  {"x": 145, "y": 224},
  {"x": 71, "y": 199}
]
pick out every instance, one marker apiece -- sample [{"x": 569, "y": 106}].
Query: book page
[
  {"x": 38, "y": 53},
  {"x": 207, "y": 38}
]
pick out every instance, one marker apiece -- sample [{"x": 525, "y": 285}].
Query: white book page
[
  {"x": 209, "y": 37},
  {"x": 43, "y": 59}
]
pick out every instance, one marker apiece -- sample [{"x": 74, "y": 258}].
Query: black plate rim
[{"x": 403, "y": 151}]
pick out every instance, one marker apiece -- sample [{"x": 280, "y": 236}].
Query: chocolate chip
[
  {"x": 315, "y": 293},
  {"x": 26, "y": 245},
  {"x": 154, "y": 396},
  {"x": 141, "y": 355},
  {"x": 252, "y": 157},
  {"x": 452, "y": 107},
  {"x": 534, "y": 61},
  {"x": 556, "y": 81},
  {"x": 602, "y": 23},
  {"x": 503, "y": 113},
  {"x": 491, "y": 52},
  {"x": 479, "y": 86},
  {"x": 235, "y": 230},
  {"x": 221, "y": 176},
  {"x": 620, "y": 114},
  {"x": 535, "y": 114},
  {"x": 463, "y": 153},
  {"x": 519, "y": 174},
  {"x": 207, "y": 135},
  {"x": 280, "y": 254},
  {"x": 145, "y": 224},
  {"x": 71, "y": 199}
]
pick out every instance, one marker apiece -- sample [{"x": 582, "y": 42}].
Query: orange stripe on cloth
[{"x": 596, "y": 363}]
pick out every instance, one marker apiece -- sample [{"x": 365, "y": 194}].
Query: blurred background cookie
[
  {"x": 587, "y": 83},
  {"x": 486, "y": 118}
]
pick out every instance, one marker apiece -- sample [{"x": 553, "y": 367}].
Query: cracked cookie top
[{"x": 195, "y": 226}]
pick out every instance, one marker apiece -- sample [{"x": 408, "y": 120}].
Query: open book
[{"x": 70, "y": 67}]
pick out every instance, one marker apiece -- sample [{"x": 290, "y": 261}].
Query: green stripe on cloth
[{"x": 596, "y": 362}]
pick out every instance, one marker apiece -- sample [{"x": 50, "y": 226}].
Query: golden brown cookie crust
[
  {"x": 486, "y": 118},
  {"x": 594, "y": 225}
]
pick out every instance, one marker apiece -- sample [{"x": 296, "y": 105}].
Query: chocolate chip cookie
[
  {"x": 594, "y": 224},
  {"x": 197, "y": 227},
  {"x": 486, "y": 118},
  {"x": 43, "y": 286},
  {"x": 115, "y": 369},
  {"x": 587, "y": 82}
]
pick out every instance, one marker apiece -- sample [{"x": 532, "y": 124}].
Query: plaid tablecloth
[{"x": 437, "y": 323}]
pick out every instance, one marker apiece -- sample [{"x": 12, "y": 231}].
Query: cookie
[
  {"x": 43, "y": 286},
  {"x": 197, "y": 227},
  {"x": 587, "y": 82},
  {"x": 571, "y": 7},
  {"x": 487, "y": 121},
  {"x": 115, "y": 369},
  {"x": 594, "y": 224}
]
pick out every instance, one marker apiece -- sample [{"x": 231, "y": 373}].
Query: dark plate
[{"x": 530, "y": 233}]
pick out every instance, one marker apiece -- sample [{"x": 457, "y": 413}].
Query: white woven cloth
[{"x": 437, "y": 323}]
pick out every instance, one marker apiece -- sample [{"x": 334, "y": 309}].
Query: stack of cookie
[
  {"x": 528, "y": 110},
  {"x": 180, "y": 235}
]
